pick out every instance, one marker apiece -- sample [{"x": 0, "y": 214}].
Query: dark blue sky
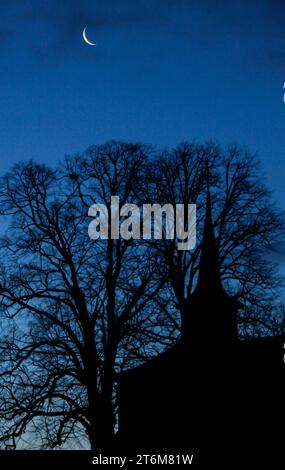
[{"x": 163, "y": 71}]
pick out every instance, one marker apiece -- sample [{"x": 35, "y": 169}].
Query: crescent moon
[{"x": 86, "y": 38}]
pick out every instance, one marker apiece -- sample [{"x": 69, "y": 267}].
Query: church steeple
[
  {"x": 209, "y": 279},
  {"x": 211, "y": 318}
]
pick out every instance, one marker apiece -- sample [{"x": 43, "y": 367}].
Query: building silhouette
[{"x": 211, "y": 390}]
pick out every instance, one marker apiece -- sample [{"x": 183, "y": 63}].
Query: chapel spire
[{"x": 209, "y": 278}]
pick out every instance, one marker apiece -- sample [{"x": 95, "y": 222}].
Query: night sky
[{"x": 162, "y": 72}]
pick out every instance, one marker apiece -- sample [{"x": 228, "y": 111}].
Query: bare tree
[
  {"x": 246, "y": 224},
  {"x": 76, "y": 311}
]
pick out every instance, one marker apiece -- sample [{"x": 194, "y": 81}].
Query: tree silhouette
[
  {"x": 76, "y": 311},
  {"x": 246, "y": 223}
]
